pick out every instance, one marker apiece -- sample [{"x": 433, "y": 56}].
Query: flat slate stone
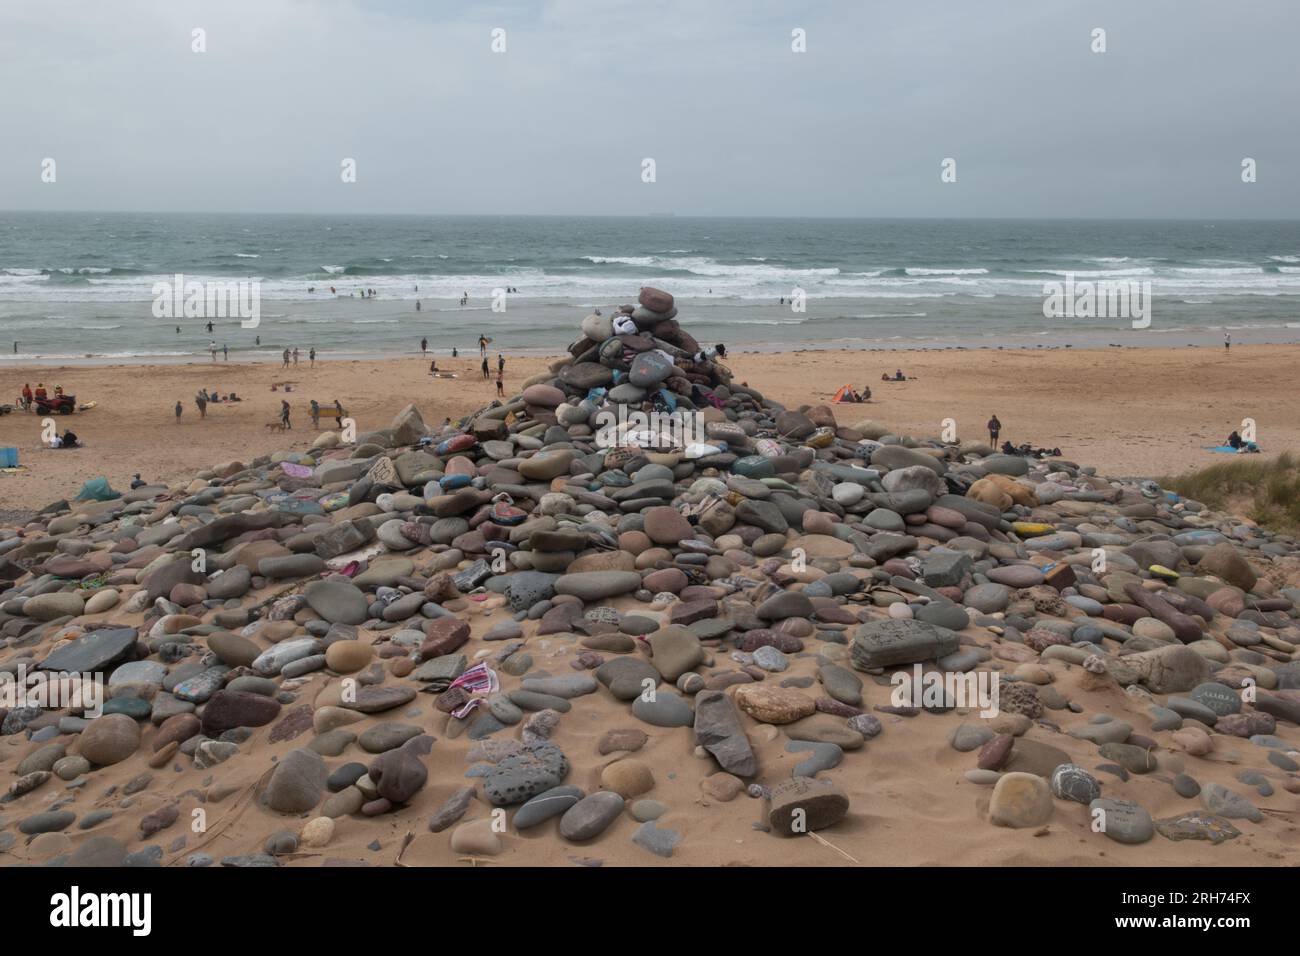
[
  {"x": 94, "y": 652},
  {"x": 888, "y": 642}
]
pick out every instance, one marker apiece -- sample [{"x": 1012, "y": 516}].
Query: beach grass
[{"x": 1268, "y": 492}]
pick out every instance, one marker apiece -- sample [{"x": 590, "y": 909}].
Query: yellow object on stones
[
  {"x": 821, "y": 438},
  {"x": 1028, "y": 529},
  {"x": 1159, "y": 570}
]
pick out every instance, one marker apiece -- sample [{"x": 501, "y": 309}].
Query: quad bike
[{"x": 63, "y": 404}]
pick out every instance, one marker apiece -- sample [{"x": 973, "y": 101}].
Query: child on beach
[
  {"x": 315, "y": 414},
  {"x": 995, "y": 428}
]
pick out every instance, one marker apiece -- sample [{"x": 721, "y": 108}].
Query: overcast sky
[{"x": 737, "y": 123}]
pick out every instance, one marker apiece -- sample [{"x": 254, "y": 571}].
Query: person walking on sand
[
  {"x": 311, "y": 355},
  {"x": 201, "y": 400},
  {"x": 501, "y": 362},
  {"x": 225, "y": 352},
  {"x": 284, "y": 359},
  {"x": 486, "y": 374},
  {"x": 482, "y": 344},
  {"x": 295, "y": 355},
  {"x": 284, "y": 414},
  {"x": 315, "y": 414},
  {"x": 1227, "y": 341},
  {"x": 339, "y": 413},
  {"x": 212, "y": 347},
  {"x": 501, "y": 386},
  {"x": 995, "y": 429},
  {"x": 424, "y": 346},
  {"x": 179, "y": 408}
]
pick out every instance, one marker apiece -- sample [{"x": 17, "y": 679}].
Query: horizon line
[{"x": 641, "y": 215}]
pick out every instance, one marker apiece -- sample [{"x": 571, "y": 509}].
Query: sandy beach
[
  {"x": 908, "y": 777},
  {"x": 1130, "y": 412}
]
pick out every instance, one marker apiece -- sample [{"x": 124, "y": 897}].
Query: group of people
[
  {"x": 30, "y": 397},
  {"x": 292, "y": 355},
  {"x": 205, "y": 398},
  {"x": 315, "y": 410},
  {"x": 898, "y": 376}
]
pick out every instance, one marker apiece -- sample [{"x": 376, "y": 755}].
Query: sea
[{"x": 85, "y": 288}]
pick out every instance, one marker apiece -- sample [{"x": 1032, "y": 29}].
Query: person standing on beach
[
  {"x": 501, "y": 385},
  {"x": 501, "y": 362},
  {"x": 284, "y": 356},
  {"x": 225, "y": 352},
  {"x": 295, "y": 355},
  {"x": 201, "y": 400},
  {"x": 486, "y": 374},
  {"x": 424, "y": 346},
  {"x": 995, "y": 429},
  {"x": 315, "y": 414},
  {"x": 179, "y": 408},
  {"x": 212, "y": 347},
  {"x": 482, "y": 344},
  {"x": 338, "y": 413},
  {"x": 1227, "y": 341},
  {"x": 284, "y": 413},
  {"x": 311, "y": 355}
]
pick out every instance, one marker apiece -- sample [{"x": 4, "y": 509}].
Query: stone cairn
[{"x": 313, "y": 595}]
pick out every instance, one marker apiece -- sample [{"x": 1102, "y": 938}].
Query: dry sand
[{"x": 1128, "y": 412}]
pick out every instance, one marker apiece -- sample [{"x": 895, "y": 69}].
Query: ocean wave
[
  {"x": 918, "y": 271},
  {"x": 1095, "y": 273}
]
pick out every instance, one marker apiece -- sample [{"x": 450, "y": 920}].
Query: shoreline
[{"x": 272, "y": 357}]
